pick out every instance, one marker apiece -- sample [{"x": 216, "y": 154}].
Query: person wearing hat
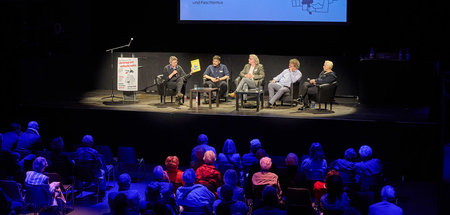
[{"x": 133, "y": 199}]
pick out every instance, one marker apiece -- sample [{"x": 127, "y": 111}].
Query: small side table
[
  {"x": 259, "y": 98},
  {"x": 203, "y": 90}
]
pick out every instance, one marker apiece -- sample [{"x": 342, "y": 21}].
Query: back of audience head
[
  {"x": 88, "y": 141},
  {"x": 124, "y": 182},
  {"x": 266, "y": 163},
  {"x": 172, "y": 162},
  {"x": 291, "y": 160},
  {"x": 229, "y": 147},
  {"x": 350, "y": 155},
  {"x": 15, "y": 127},
  {"x": 199, "y": 153},
  {"x": 57, "y": 144},
  {"x": 39, "y": 164},
  {"x": 226, "y": 192},
  {"x": 230, "y": 177},
  {"x": 332, "y": 172},
  {"x": 270, "y": 197},
  {"x": 365, "y": 152},
  {"x": 189, "y": 177},
  {"x": 152, "y": 192},
  {"x": 261, "y": 153},
  {"x": 202, "y": 139},
  {"x": 33, "y": 125},
  {"x": 388, "y": 193},
  {"x": 120, "y": 204},
  {"x": 255, "y": 144},
  {"x": 316, "y": 151},
  {"x": 158, "y": 173},
  {"x": 335, "y": 187},
  {"x": 209, "y": 157},
  {"x": 227, "y": 195}
]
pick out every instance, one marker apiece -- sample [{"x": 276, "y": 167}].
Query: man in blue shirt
[
  {"x": 386, "y": 207},
  {"x": 281, "y": 83},
  {"x": 216, "y": 75}
]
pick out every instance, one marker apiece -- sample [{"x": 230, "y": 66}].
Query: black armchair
[
  {"x": 292, "y": 95},
  {"x": 225, "y": 96},
  {"x": 163, "y": 91},
  {"x": 325, "y": 94}
]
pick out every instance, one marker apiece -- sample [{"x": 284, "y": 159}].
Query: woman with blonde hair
[{"x": 250, "y": 77}]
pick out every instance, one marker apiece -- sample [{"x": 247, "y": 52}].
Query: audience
[
  {"x": 335, "y": 199},
  {"x": 175, "y": 175},
  {"x": 346, "y": 166},
  {"x": 250, "y": 159},
  {"x": 320, "y": 188},
  {"x": 207, "y": 174},
  {"x": 11, "y": 137},
  {"x": 386, "y": 206},
  {"x": 227, "y": 204},
  {"x": 153, "y": 203},
  {"x": 30, "y": 140},
  {"x": 199, "y": 152},
  {"x": 368, "y": 166},
  {"x": 264, "y": 177},
  {"x": 271, "y": 205},
  {"x": 166, "y": 188},
  {"x": 7, "y": 172},
  {"x": 60, "y": 161},
  {"x": 315, "y": 165},
  {"x": 290, "y": 176},
  {"x": 230, "y": 159},
  {"x": 194, "y": 197},
  {"x": 230, "y": 178},
  {"x": 132, "y": 196},
  {"x": 202, "y": 142}
]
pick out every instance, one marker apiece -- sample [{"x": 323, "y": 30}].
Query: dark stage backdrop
[{"x": 153, "y": 62}]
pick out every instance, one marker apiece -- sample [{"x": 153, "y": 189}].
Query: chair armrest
[
  {"x": 140, "y": 161},
  {"x": 323, "y": 85}
]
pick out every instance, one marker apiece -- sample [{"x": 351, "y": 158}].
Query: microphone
[{"x": 131, "y": 40}]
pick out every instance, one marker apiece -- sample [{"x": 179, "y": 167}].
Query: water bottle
[
  {"x": 196, "y": 99},
  {"x": 372, "y": 53},
  {"x": 185, "y": 98},
  {"x": 313, "y": 104}
]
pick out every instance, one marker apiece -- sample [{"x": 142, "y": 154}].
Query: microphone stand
[{"x": 112, "y": 69}]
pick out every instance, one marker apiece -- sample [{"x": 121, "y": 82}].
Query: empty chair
[
  {"x": 85, "y": 173},
  {"x": 38, "y": 198},
  {"x": 298, "y": 201},
  {"x": 13, "y": 191},
  {"x": 127, "y": 161},
  {"x": 111, "y": 163}
]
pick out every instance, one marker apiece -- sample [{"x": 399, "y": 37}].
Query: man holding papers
[{"x": 216, "y": 76}]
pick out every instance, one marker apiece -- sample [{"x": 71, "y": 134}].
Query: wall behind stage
[{"x": 152, "y": 63}]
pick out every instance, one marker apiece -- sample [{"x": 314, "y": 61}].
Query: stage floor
[{"x": 343, "y": 109}]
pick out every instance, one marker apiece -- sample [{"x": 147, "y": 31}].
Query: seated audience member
[
  {"x": 250, "y": 77},
  {"x": 207, "y": 174},
  {"x": 335, "y": 199},
  {"x": 227, "y": 204},
  {"x": 198, "y": 162},
  {"x": 203, "y": 143},
  {"x": 120, "y": 203},
  {"x": 132, "y": 196},
  {"x": 7, "y": 172},
  {"x": 270, "y": 206},
  {"x": 281, "y": 84},
  {"x": 174, "y": 174},
  {"x": 162, "y": 179},
  {"x": 230, "y": 178},
  {"x": 37, "y": 178},
  {"x": 11, "y": 137},
  {"x": 320, "y": 187},
  {"x": 87, "y": 153},
  {"x": 368, "y": 166},
  {"x": 216, "y": 75},
  {"x": 229, "y": 159},
  {"x": 249, "y": 159},
  {"x": 194, "y": 197},
  {"x": 175, "y": 77},
  {"x": 386, "y": 206},
  {"x": 248, "y": 186},
  {"x": 265, "y": 177},
  {"x": 290, "y": 177},
  {"x": 29, "y": 141},
  {"x": 315, "y": 165},
  {"x": 153, "y": 203},
  {"x": 346, "y": 166},
  {"x": 308, "y": 90},
  {"x": 60, "y": 161}
]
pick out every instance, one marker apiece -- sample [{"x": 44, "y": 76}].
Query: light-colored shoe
[
  {"x": 232, "y": 95},
  {"x": 180, "y": 95}
]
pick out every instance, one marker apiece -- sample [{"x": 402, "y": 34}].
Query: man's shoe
[
  {"x": 180, "y": 95},
  {"x": 304, "y": 107},
  {"x": 232, "y": 95},
  {"x": 300, "y": 99},
  {"x": 270, "y": 105}
]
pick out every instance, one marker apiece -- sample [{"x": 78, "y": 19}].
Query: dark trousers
[
  {"x": 222, "y": 85},
  {"x": 308, "y": 91},
  {"x": 176, "y": 85}
]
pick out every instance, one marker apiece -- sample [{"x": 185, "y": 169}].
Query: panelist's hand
[
  {"x": 192, "y": 71},
  {"x": 313, "y": 81},
  {"x": 250, "y": 76},
  {"x": 272, "y": 81},
  {"x": 215, "y": 80}
]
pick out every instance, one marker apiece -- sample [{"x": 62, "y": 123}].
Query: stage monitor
[{"x": 263, "y": 11}]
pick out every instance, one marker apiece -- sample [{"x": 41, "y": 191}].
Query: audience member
[
  {"x": 12, "y": 169},
  {"x": 166, "y": 188},
  {"x": 207, "y": 174},
  {"x": 11, "y": 137},
  {"x": 132, "y": 196},
  {"x": 153, "y": 203},
  {"x": 174, "y": 174},
  {"x": 227, "y": 204},
  {"x": 30, "y": 140},
  {"x": 230, "y": 178},
  {"x": 250, "y": 158},
  {"x": 335, "y": 199},
  {"x": 230, "y": 159},
  {"x": 199, "y": 153},
  {"x": 194, "y": 197},
  {"x": 270, "y": 199},
  {"x": 320, "y": 188},
  {"x": 202, "y": 142},
  {"x": 346, "y": 166},
  {"x": 265, "y": 177},
  {"x": 368, "y": 166},
  {"x": 315, "y": 165},
  {"x": 386, "y": 206},
  {"x": 120, "y": 203},
  {"x": 60, "y": 161},
  {"x": 87, "y": 153},
  {"x": 290, "y": 176}
]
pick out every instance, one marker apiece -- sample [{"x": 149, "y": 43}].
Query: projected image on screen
[{"x": 264, "y": 10}]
